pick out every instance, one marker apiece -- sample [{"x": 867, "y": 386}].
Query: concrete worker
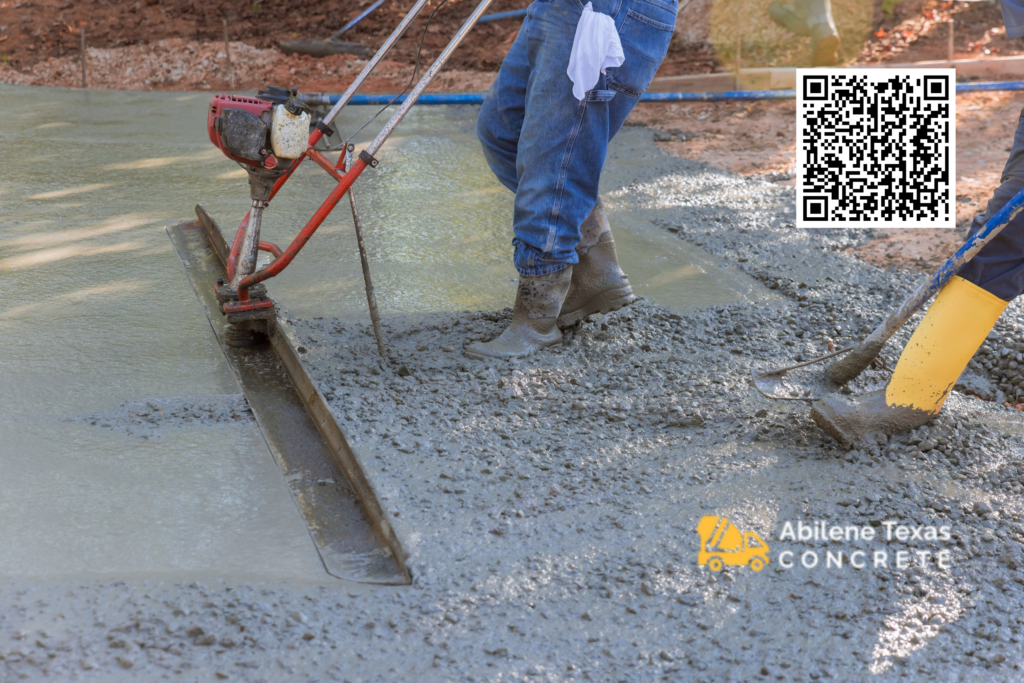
[
  {"x": 812, "y": 18},
  {"x": 957, "y": 323},
  {"x": 572, "y": 76}
]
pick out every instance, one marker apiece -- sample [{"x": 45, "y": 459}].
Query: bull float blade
[{"x": 325, "y": 48}]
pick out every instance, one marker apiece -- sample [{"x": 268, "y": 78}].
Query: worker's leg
[
  {"x": 810, "y": 18},
  {"x": 957, "y": 323},
  {"x": 501, "y": 116},
  {"x": 563, "y": 141},
  {"x": 999, "y": 267}
]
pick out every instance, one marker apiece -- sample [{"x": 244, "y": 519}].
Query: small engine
[{"x": 267, "y": 132}]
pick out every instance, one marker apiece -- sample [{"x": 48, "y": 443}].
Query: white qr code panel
[{"x": 876, "y": 148}]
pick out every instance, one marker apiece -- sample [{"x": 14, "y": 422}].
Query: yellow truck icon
[{"x": 721, "y": 543}]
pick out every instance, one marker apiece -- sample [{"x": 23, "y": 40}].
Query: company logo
[{"x": 721, "y": 543}]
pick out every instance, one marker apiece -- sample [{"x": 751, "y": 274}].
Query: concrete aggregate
[
  {"x": 148, "y": 419},
  {"x": 549, "y": 504}
]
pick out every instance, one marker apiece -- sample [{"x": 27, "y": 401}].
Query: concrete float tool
[
  {"x": 811, "y": 385},
  {"x": 334, "y": 44},
  {"x": 267, "y": 136}
]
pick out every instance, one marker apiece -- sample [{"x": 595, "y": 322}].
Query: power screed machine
[{"x": 270, "y": 135}]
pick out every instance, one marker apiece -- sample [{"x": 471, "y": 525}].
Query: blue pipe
[
  {"x": 737, "y": 95},
  {"x": 991, "y": 87},
  {"x": 325, "y": 99},
  {"x": 359, "y": 18},
  {"x": 498, "y": 16}
]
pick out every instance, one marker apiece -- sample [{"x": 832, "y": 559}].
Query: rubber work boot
[
  {"x": 598, "y": 284},
  {"x": 534, "y": 326},
  {"x": 810, "y": 18},
  {"x": 955, "y": 326}
]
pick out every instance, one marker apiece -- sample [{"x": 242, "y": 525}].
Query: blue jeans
[
  {"x": 999, "y": 267},
  {"x": 547, "y": 146}
]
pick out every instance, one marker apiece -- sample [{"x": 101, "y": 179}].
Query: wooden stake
[
  {"x": 227, "y": 53},
  {"x": 950, "y": 50},
  {"x": 739, "y": 55},
  {"x": 84, "y": 83}
]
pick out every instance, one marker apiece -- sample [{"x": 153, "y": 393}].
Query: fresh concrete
[{"x": 550, "y": 503}]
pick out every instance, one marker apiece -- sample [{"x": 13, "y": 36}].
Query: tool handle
[
  {"x": 844, "y": 370},
  {"x": 389, "y": 127},
  {"x": 362, "y": 15},
  {"x": 370, "y": 66}
]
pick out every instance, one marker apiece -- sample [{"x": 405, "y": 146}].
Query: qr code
[{"x": 876, "y": 148}]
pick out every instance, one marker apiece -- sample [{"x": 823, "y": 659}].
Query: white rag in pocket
[{"x": 595, "y": 48}]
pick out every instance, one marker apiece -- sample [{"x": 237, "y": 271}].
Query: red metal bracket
[
  {"x": 270, "y": 247},
  {"x": 289, "y": 254},
  {"x": 283, "y": 258},
  {"x": 236, "y": 245},
  {"x": 247, "y": 305}
]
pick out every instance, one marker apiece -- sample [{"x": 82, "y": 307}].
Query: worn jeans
[
  {"x": 547, "y": 146},
  {"x": 999, "y": 267}
]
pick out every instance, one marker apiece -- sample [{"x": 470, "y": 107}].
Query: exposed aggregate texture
[
  {"x": 149, "y": 418},
  {"x": 549, "y": 504}
]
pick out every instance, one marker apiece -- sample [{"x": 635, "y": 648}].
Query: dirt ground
[
  {"x": 36, "y": 32},
  {"x": 757, "y": 139}
]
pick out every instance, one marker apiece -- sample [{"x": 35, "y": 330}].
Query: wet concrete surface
[
  {"x": 550, "y": 504},
  {"x": 97, "y": 322}
]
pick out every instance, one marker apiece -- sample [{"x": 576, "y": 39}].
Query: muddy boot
[
  {"x": 786, "y": 17},
  {"x": 955, "y": 326},
  {"x": 598, "y": 284},
  {"x": 533, "y": 327},
  {"x": 858, "y": 422},
  {"x": 824, "y": 36},
  {"x": 811, "y": 18}
]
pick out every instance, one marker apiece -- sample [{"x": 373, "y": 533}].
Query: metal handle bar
[
  {"x": 427, "y": 78},
  {"x": 236, "y": 244},
  {"x": 370, "y": 66},
  {"x": 349, "y": 177}
]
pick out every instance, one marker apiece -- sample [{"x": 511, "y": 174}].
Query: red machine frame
[
  {"x": 283, "y": 257},
  {"x": 345, "y": 178}
]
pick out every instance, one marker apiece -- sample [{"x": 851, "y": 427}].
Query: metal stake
[
  {"x": 84, "y": 84},
  {"x": 371, "y": 298},
  {"x": 227, "y": 53}
]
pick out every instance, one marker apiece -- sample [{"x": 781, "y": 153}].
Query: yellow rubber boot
[{"x": 955, "y": 326}]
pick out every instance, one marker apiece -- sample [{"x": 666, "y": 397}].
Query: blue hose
[
  {"x": 326, "y": 99},
  {"x": 991, "y": 87},
  {"x": 498, "y": 16}
]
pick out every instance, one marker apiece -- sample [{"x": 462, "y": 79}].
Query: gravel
[{"x": 549, "y": 504}]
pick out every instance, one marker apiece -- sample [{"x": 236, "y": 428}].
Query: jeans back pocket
[{"x": 645, "y": 39}]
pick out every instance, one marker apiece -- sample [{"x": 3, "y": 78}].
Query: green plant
[{"x": 889, "y": 7}]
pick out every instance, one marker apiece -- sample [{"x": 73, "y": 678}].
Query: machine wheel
[
  {"x": 715, "y": 564},
  {"x": 756, "y": 563}
]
